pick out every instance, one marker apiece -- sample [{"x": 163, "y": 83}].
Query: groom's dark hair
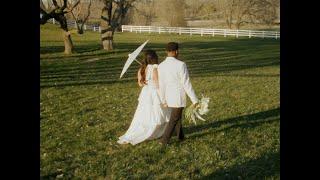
[{"x": 172, "y": 46}]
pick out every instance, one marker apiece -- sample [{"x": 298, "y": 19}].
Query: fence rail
[
  {"x": 72, "y": 24},
  {"x": 183, "y": 30},
  {"x": 201, "y": 31}
]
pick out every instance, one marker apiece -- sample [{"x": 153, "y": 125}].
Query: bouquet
[{"x": 194, "y": 112}]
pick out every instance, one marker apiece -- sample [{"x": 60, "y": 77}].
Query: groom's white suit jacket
[{"x": 174, "y": 83}]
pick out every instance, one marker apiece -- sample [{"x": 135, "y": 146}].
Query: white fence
[
  {"x": 72, "y": 24},
  {"x": 201, "y": 31},
  {"x": 183, "y": 30}
]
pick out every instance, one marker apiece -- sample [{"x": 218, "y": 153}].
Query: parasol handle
[{"x": 138, "y": 62}]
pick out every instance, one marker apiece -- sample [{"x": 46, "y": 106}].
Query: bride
[{"x": 150, "y": 118}]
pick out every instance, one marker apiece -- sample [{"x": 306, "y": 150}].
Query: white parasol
[{"x": 132, "y": 57}]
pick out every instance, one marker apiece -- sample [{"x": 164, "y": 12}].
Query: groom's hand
[{"x": 195, "y": 104}]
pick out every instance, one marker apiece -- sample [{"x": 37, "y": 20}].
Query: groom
[{"x": 174, "y": 84}]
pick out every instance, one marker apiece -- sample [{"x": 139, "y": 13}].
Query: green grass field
[{"x": 85, "y": 108}]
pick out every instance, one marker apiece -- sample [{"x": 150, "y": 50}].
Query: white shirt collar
[{"x": 168, "y": 58}]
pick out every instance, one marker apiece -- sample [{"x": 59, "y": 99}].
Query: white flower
[
  {"x": 204, "y": 104},
  {"x": 193, "y": 113}
]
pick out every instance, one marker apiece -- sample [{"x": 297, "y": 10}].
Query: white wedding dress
[{"x": 150, "y": 119}]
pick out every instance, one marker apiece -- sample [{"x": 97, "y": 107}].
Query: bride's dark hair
[{"x": 150, "y": 57}]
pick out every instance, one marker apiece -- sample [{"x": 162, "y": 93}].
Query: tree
[
  {"x": 267, "y": 12},
  {"x": 112, "y": 15},
  {"x": 145, "y": 12},
  {"x": 80, "y": 15},
  {"x": 235, "y": 12},
  {"x": 238, "y": 12},
  {"x": 56, "y": 10},
  {"x": 199, "y": 9},
  {"x": 172, "y": 12}
]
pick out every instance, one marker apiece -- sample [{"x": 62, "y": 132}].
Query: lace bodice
[{"x": 149, "y": 74}]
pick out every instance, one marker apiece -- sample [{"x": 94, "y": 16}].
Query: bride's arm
[
  {"x": 139, "y": 78},
  {"x": 155, "y": 77},
  {"x": 156, "y": 81}
]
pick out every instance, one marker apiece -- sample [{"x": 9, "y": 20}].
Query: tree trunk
[
  {"x": 106, "y": 35},
  {"x": 80, "y": 27},
  {"x": 68, "y": 46},
  {"x": 229, "y": 24},
  {"x": 107, "y": 39},
  {"x": 238, "y": 25},
  {"x": 122, "y": 21}
]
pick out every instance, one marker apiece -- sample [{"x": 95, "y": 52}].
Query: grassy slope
[{"x": 84, "y": 108}]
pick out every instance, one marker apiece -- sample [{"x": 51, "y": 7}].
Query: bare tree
[
  {"x": 234, "y": 11},
  {"x": 80, "y": 15},
  {"x": 267, "y": 11},
  {"x": 53, "y": 9},
  {"x": 193, "y": 8},
  {"x": 145, "y": 12},
  {"x": 199, "y": 9},
  {"x": 172, "y": 12},
  {"x": 243, "y": 12},
  {"x": 239, "y": 12},
  {"x": 112, "y": 15}
]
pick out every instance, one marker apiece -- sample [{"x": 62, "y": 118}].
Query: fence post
[
  {"x": 85, "y": 27},
  {"x": 130, "y": 28},
  {"x": 201, "y": 32},
  {"x": 94, "y": 28},
  {"x": 225, "y": 33},
  {"x": 99, "y": 29},
  {"x": 122, "y": 28},
  {"x": 53, "y": 21},
  {"x": 179, "y": 30},
  {"x": 237, "y": 33},
  {"x": 213, "y": 32},
  {"x": 276, "y": 35},
  {"x": 75, "y": 24},
  {"x": 249, "y": 33},
  {"x": 139, "y": 29}
]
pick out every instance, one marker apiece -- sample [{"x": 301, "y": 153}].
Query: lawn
[{"x": 85, "y": 108}]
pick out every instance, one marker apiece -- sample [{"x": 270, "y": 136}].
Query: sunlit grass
[{"x": 85, "y": 107}]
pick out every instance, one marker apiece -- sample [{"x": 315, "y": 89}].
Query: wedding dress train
[{"x": 150, "y": 118}]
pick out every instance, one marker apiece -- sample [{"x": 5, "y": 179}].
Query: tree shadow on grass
[
  {"x": 51, "y": 49},
  {"x": 249, "y": 75},
  {"x": 202, "y": 58},
  {"x": 90, "y": 47},
  {"x": 266, "y": 166},
  {"x": 246, "y": 121},
  {"x": 226, "y": 43},
  {"x": 86, "y": 83}
]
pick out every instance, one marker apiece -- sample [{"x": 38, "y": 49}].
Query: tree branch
[
  {"x": 109, "y": 11},
  {"x": 88, "y": 14},
  {"x": 65, "y": 4},
  {"x": 45, "y": 16},
  {"x": 42, "y": 11},
  {"x": 104, "y": 17},
  {"x": 42, "y": 6},
  {"x": 72, "y": 6},
  {"x": 54, "y": 2}
]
